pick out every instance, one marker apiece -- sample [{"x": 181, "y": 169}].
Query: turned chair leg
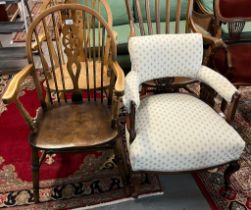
[
  {"x": 233, "y": 167},
  {"x": 35, "y": 174},
  {"x": 136, "y": 179},
  {"x": 121, "y": 162}
]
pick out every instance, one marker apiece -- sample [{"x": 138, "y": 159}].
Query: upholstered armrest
[
  {"x": 11, "y": 93},
  {"x": 218, "y": 82},
  {"x": 131, "y": 89}
]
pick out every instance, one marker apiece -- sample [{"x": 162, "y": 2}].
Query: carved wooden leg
[
  {"x": 122, "y": 166},
  {"x": 35, "y": 174},
  {"x": 233, "y": 167},
  {"x": 136, "y": 179}
]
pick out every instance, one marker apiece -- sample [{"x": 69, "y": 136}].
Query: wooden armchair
[
  {"x": 178, "y": 132},
  {"x": 160, "y": 17},
  {"x": 229, "y": 53},
  {"x": 83, "y": 84}
]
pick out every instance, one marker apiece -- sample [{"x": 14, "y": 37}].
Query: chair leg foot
[
  {"x": 136, "y": 179},
  {"x": 35, "y": 174},
  {"x": 121, "y": 162},
  {"x": 233, "y": 167}
]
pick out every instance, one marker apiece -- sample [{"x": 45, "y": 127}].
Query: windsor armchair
[
  {"x": 87, "y": 84},
  {"x": 160, "y": 17},
  {"x": 177, "y": 132}
]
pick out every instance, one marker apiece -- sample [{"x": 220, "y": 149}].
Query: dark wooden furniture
[
  {"x": 228, "y": 53},
  {"x": 83, "y": 84},
  {"x": 3, "y": 13}
]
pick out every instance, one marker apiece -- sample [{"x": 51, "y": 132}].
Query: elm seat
[
  {"x": 178, "y": 132},
  {"x": 75, "y": 118},
  {"x": 241, "y": 68}
]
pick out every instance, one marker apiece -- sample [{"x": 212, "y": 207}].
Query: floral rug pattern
[
  {"x": 90, "y": 178},
  {"x": 16, "y": 193},
  {"x": 211, "y": 183}
]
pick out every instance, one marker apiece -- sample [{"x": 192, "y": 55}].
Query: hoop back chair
[
  {"x": 178, "y": 132},
  {"x": 160, "y": 17},
  {"x": 103, "y": 9},
  {"x": 83, "y": 83}
]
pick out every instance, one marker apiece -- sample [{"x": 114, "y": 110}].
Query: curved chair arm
[
  {"x": 120, "y": 80},
  {"x": 131, "y": 90},
  {"x": 12, "y": 91},
  {"x": 218, "y": 82},
  {"x": 215, "y": 42},
  {"x": 11, "y": 94},
  {"x": 119, "y": 89}
]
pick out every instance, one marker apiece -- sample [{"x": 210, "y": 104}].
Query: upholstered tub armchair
[{"x": 177, "y": 132}]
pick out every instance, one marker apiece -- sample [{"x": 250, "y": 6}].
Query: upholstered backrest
[{"x": 162, "y": 55}]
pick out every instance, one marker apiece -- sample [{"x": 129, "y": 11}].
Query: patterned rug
[
  {"x": 66, "y": 181},
  {"x": 211, "y": 182}
]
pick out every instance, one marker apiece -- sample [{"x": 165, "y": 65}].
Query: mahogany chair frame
[
  {"x": 109, "y": 104},
  {"x": 210, "y": 27}
]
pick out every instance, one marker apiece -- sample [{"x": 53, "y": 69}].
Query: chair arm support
[
  {"x": 11, "y": 95},
  {"x": 217, "y": 43},
  {"x": 218, "y": 82},
  {"x": 11, "y": 92},
  {"x": 120, "y": 79},
  {"x": 213, "y": 41},
  {"x": 131, "y": 90}
]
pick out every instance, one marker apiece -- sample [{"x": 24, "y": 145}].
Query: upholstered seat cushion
[
  {"x": 178, "y": 132},
  {"x": 241, "y": 71}
]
